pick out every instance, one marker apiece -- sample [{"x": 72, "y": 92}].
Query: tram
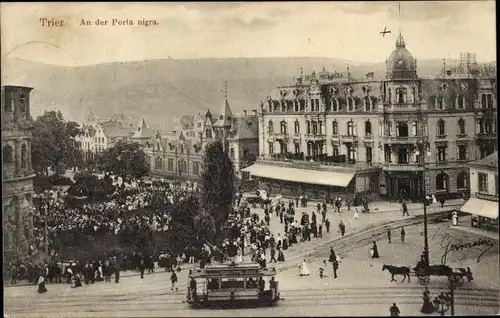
[{"x": 232, "y": 284}]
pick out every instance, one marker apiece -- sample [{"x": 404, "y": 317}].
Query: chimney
[
  {"x": 254, "y": 112},
  {"x": 244, "y": 112},
  {"x": 370, "y": 75}
]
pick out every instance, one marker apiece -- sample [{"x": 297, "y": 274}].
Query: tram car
[{"x": 232, "y": 284}]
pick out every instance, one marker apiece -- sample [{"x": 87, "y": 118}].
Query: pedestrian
[
  {"x": 468, "y": 274},
  {"x": 142, "y": 268},
  {"x": 342, "y": 228},
  {"x": 321, "y": 272},
  {"x": 173, "y": 279},
  {"x": 356, "y": 214},
  {"x": 403, "y": 234},
  {"x": 374, "y": 250},
  {"x": 442, "y": 201},
  {"x": 320, "y": 230},
  {"x": 304, "y": 269},
  {"x": 349, "y": 205},
  {"x": 389, "y": 235},
  {"x": 427, "y": 307},
  {"x": 332, "y": 257},
  {"x": 41, "y": 285},
  {"x": 327, "y": 225},
  {"x": 335, "y": 265},
  {"x": 394, "y": 310},
  {"x": 405, "y": 209},
  {"x": 273, "y": 254}
]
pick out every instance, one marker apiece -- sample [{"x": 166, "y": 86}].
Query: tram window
[
  {"x": 213, "y": 283},
  {"x": 252, "y": 283},
  {"x": 232, "y": 283}
]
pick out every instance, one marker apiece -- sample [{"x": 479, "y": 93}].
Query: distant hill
[{"x": 162, "y": 89}]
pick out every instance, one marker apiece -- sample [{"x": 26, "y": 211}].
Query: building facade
[
  {"x": 179, "y": 155},
  {"x": 483, "y": 204},
  {"x": 378, "y": 130},
  {"x": 17, "y": 172}
]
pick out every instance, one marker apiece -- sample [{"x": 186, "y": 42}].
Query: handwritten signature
[{"x": 449, "y": 246}]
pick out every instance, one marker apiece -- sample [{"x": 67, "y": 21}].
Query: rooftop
[{"x": 490, "y": 161}]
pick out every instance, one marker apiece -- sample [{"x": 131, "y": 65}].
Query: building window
[
  {"x": 196, "y": 168},
  {"x": 315, "y": 127},
  {"x": 283, "y": 148},
  {"x": 387, "y": 154},
  {"x": 158, "y": 163},
  {"x": 271, "y": 147},
  {"x": 351, "y": 153},
  {"x": 335, "y": 151},
  {"x": 401, "y": 129},
  {"x": 462, "y": 180},
  {"x": 334, "y": 104},
  {"x": 7, "y": 154},
  {"x": 335, "y": 128},
  {"x": 389, "y": 128},
  {"x": 231, "y": 151},
  {"x": 170, "y": 164},
  {"x": 23, "y": 156},
  {"x": 317, "y": 105},
  {"x": 461, "y": 126},
  {"x": 308, "y": 127},
  {"x": 283, "y": 127},
  {"x": 401, "y": 95},
  {"x": 439, "y": 102},
  {"x": 350, "y": 128},
  {"x": 297, "y": 147},
  {"x": 245, "y": 153},
  {"x": 270, "y": 127},
  {"x": 486, "y": 101},
  {"x": 461, "y": 102},
  {"x": 414, "y": 128},
  {"x": 368, "y": 128},
  {"x": 480, "y": 122},
  {"x": 482, "y": 182},
  {"x": 442, "y": 182},
  {"x": 22, "y": 103},
  {"x": 368, "y": 103},
  {"x": 488, "y": 127},
  {"x": 403, "y": 156},
  {"x": 297, "y": 127},
  {"x": 441, "y": 128},
  {"x": 296, "y": 105},
  {"x": 389, "y": 95},
  {"x": 369, "y": 155},
  {"x": 462, "y": 152},
  {"x": 441, "y": 152},
  {"x": 350, "y": 104}
]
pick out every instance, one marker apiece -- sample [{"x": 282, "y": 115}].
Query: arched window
[
  {"x": 461, "y": 126},
  {"x": 401, "y": 95},
  {"x": 283, "y": 127},
  {"x": 441, "y": 128},
  {"x": 368, "y": 103},
  {"x": 7, "y": 154},
  {"x": 368, "y": 128},
  {"x": 334, "y": 104},
  {"x": 351, "y": 105},
  {"x": 335, "y": 128},
  {"x": 350, "y": 128},
  {"x": 439, "y": 102},
  {"x": 462, "y": 180},
  {"x": 297, "y": 127},
  {"x": 461, "y": 102},
  {"x": 23, "y": 156},
  {"x": 442, "y": 182},
  {"x": 270, "y": 127}
]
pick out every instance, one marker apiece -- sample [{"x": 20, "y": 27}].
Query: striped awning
[
  {"x": 485, "y": 208},
  {"x": 329, "y": 178}
]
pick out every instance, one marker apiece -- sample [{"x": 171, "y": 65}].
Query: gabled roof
[
  {"x": 246, "y": 127},
  {"x": 490, "y": 161},
  {"x": 142, "y": 130}
]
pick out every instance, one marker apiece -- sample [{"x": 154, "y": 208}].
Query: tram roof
[{"x": 232, "y": 270}]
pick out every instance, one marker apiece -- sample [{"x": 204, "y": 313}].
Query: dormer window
[
  {"x": 351, "y": 105},
  {"x": 334, "y": 104},
  {"x": 401, "y": 95},
  {"x": 368, "y": 103},
  {"x": 461, "y": 102},
  {"x": 440, "y": 102}
]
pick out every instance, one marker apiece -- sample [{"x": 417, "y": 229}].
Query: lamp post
[{"x": 423, "y": 152}]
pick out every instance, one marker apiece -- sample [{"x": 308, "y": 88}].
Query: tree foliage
[
  {"x": 54, "y": 143},
  {"x": 124, "y": 159},
  {"x": 217, "y": 183},
  {"x": 88, "y": 184}
]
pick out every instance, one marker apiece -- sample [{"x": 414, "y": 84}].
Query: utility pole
[{"x": 424, "y": 194}]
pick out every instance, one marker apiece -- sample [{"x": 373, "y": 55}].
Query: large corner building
[{"x": 329, "y": 133}]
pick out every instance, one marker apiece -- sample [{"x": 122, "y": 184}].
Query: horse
[{"x": 397, "y": 270}]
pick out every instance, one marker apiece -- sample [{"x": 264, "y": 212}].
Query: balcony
[
  {"x": 402, "y": 167},
  {"x": 461, "y": 136},
  {"x": 401, "y": 140},
  {"x": 349, "y": 139},
  {"x": 296, "y": 136},
  {"x": 486, "y": 136},
  {"x": 400, "y": 107},
  {"x": 487, "y": 196},
  {"x": 441, "y": 136},
  {"x": 315, "y": 137},
  {"x": 301, "y": 161}
]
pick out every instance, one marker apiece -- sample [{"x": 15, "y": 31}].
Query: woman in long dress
[
  {"x": 239, "y": 257},
  {"x": 41, "y": 285},
  {"x": 356, "y": 214},
  {"x": 427, "y": 307},
  {"x": 281, "y": 256},
  {"x": 374, "y": 250},
  {"x": 304, "y": 269},
  {"x": 332, "y": 257}
]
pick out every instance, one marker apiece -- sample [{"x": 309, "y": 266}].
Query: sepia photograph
[{"x": 253, "y": 159}]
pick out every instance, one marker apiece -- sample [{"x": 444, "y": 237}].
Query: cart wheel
[{"x": 424, "y": 280}]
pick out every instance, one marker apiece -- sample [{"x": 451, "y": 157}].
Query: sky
[{"x": 346, "y": 30}]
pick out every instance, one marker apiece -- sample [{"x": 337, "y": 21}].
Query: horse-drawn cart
[{"x": 424, "y": 273}]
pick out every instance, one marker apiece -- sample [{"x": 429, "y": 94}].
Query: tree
[
  {"x": 217, "y": 183},
  {"x": 53, "y": 144},
  {"x": 124, "y": 159}
]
